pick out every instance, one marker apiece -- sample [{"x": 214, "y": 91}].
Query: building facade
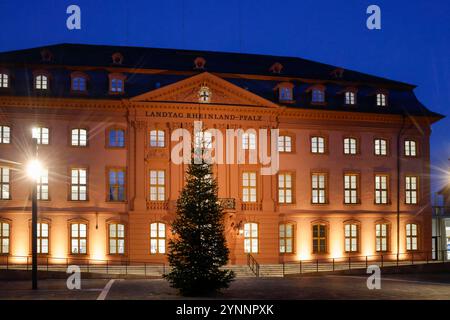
[
  {"x": 353, "y": 176},
  {"x": 441, "y": 224}
]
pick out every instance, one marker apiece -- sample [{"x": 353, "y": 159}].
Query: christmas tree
[{"x": 198, "y": 248}]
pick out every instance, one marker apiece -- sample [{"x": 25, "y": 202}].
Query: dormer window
[
  {"x": 41, "y": 81},
  {"x": 318, "y": 94},
  {"x": 117, "y": 58},
  {"x": 4, "y": 80},
  {"x": 285, "y": 91},
  {"x": 350, "y": 96},
  {"x": 79, "y": 82},
  {"x": 381, "y": 99},
  {"x": 116, "y": 83}
]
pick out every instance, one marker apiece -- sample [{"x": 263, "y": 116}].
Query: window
[
  {"x": 157, "y": 138},
  {"x": 41, "y": 82},
  {"x": 411, "y": 237},
  {"x": 42, "y": 185},
  {"x": 157, "y": 238},
  {"x": 380, "y": 147},
  {"x": 381, "y": 189},
  {"x": 350, "y": 146},
  {"x": 251, "y": 237},
  {"x": 317, "y": 144},
  {"x": 116, "y": 184},
  {"x": 116, "y": 238},
  {"x": 116, "y": 83},
  {"x": 41, "y": 134},
  {"x": 5, "y": 134},
  {"x": 285, "y": 94},
  {"x": 351, "y": 231},
  {"x": 42, "y": 238},
  {"x": 78, "y": 238},
  {"x": 411, "y": 189},
  {"x": 79, "y": 84},
  {"x": 381, "y": 236},
  {"x": 203, "y": 140},
  {"x": 5, "y": 183},
  {"x": 79, "y": 137},
  {"x": 4, "y": 237},
  {"x": 157, "y": 185},
  {"x": 78, "y": 185},
  {"x": 285, "y": 194},
  {"x": 320, "y": 235},
  {"x": 318, "y": 188},
  {"x": 4, "y": 80},
  {"x": 381, "y": 100},
  {"x": 286, "y": 233},
  {"x": 351, "y": 192},
  {"x": 318, "y": 96},
  {"x": 350, "y": 98},
  {"x": 249, "y": 141},
  {"x": 249, "y": 187},
  {"x": 116, "y": 138},
  {"x": 410, "y": 148},
  {"x": 284, "y": 144}
]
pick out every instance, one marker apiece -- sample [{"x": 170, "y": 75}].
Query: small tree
[{"x": 198, "y": 248}]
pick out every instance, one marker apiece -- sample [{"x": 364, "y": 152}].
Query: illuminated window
[
  {"x": 320, "y": 238},
  {"x": 42, "y": 185},
  {"x": 317, "y": 144},
  {"x": 410, "y": 148},
  {"x": 158, "y": 238},
  {"x": 41, "y": 134},
  {"x": 318, "y": 96},
  {"x": 4, "y": 237},
  {"x": 79, "y": 137},
  {"x": 350, "y": 98},
  {"x": 285, "y": 194},
  {"x": 284, "y": 144},
  {"x": 157, "y": 138},
  {"x": 157, "y": 185},
  {"x": 5, "y": 134},
  {"x": 116, "y": 184},
  {"x": 411, "y": 237},
  {"x": 42, "y": 238},
  {"x": 411, "y": 189},
  {"x": 251, "y": 237},
  {"x": 203, "y": 139},
  {"x": 4, "y": 80},
  {"x": 351, "y": 188},
  {"x": 381, "y": 100},
  {"x": 286, "y": 234},
  {"x": 116, "y": 238},
  {"x": 78, "y": 238},
  {"x": 41, "y": 82},
  {"x": 79, "y": 84},
  {"x": 204, "y": 95},
  {"x": 350, "y": 146},
  {"x": 285, "y": 94},
  {"x": 116, "y": 138},
  {"x": 381, "y": 237},
  {"x": 318, "y": 188},
  {"x": 351, "y": 231},
  {"x": 78, "y": 185},
  {"x": 249, "y": 186},
  {"x": 380, "y": 147},
  {"x": 5, "y": 184},
  {"x": 249, "y": 141},
  {"x": 381, "y": 189},
  {"x": 116, "y": 84}
]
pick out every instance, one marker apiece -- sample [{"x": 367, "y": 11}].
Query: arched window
[
  {"x": 5, "y": 229},
  {"x": 410, "y": 148},
  {"x": 411, "y": 237},
  {"x": 42, "y": 134},
  {"x": 41, "y": 82},
  {"x": 380, "y": 147},
  {"x": 251, "y": 237},
  {"x": 157, "y": 138},
  {"x": 350, "y": 145},
  {"x": 381, "y": 99},
  {"x": 158, "y": 238},
  {"x": 79, "y": 137},
  {"x": 116, "y": 83},
  {"x": 317, "y": 145},
  {"x": 116, "y": 237},
  {"x": 350, "y": 98},
  {"x": 79, "y": 83},
  {"x": 4, "y": 80}
]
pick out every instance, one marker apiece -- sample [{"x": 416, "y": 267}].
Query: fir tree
[{"x": 198, "y": 248}]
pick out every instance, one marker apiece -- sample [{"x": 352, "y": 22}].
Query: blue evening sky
[{"x": 412, "y": 46}]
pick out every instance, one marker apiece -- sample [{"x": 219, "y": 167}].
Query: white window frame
[
  {"x": 381, "y": 189},
  {"x": 251, "y": 237},
  {"x": 350, "y": 146},
  {"x": 284, "y": 143},
  {"x": 380, "y": 147},
  {"x": 351, "y": 237},
  {"x": 249, "y": 141},
  {"x": 116, "y": 237},
  {"x": 412, "y": 237},
  {"x": 158, "y": 238},
  {"x": 79, "y": 184},
  {"x": 157, "y": 138},
  {"x": 42, "y": 185},
  {"x": 41, "y": 82},
  {"x": 411, "y": 189},
  {"x": 79, "y": 137},
  {"x": 5, "y": 183},
  {"x": 249, "y": 187},
  {"x": 42, "y": 134},
  {"x": 5, "y": 135},
  {"x": 318, "y": 145},
  {"x": 285, "y": 188},
  {"x": 78, "y": 238},
  {"x": 157, "y": 185}
]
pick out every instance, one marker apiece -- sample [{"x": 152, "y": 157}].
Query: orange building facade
[{"x": 353, "y": 176}]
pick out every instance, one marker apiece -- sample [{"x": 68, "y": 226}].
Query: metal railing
[
  {"x": 253, "y": 264},
  {"x": 112, "y": 266},
  {"x": 441, "y": 211}
]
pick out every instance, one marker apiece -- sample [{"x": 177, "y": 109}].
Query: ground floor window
[
  {"x": 42, "y": 237},
  {"x": 158, "y": 238},
  {"x": 286, "y": 238},
  {"x": 251, "y": 237},
  {"x": 78, "y": 238},
  {"x": 411, "y": 236},
  {"x": 4, "y": 237},
  {"x": 351, "y": 231},
  {"x": 381, "y": 234},
  {"x": 320, "y": 238},
  {"x": 116, "y": 238}
]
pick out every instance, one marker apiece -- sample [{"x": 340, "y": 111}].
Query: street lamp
[{"x": 34, "y": 172}]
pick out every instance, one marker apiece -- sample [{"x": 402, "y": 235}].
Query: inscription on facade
[{"x": 197, "y": 116}]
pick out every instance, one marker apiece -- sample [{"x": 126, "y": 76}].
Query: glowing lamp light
[{"x": 34, "y": 170}]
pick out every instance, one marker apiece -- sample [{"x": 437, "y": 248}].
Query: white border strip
[{"x": 105, "y": 290}]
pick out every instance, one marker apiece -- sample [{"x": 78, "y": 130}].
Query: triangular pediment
[{"x": 221, "y": 92}]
